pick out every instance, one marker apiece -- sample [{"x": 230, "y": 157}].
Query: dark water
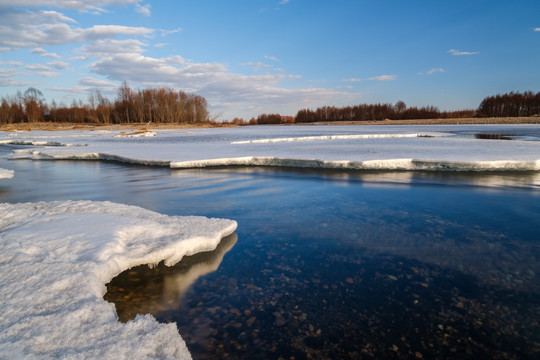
[{"x": 329, "y": 265}]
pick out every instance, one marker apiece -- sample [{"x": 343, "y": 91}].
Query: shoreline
[{"x": 46, "y": 126}]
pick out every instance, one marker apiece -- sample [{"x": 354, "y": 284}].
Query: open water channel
[{"x": 330, "y": 265}]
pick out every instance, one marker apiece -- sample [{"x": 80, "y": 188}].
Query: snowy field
[{"x": 55, "y": 258}]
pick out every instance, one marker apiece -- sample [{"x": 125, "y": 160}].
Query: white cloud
[
  {"x": 383, "y": 77},
  {"x": 95, "y": 82},
  {"x": 373, "y": 78},
  {"x": 256, "y": 66},
  {"x": 48, "y": 74},
  {"x": 106, "y": 47},
  {"x": 60, "y": 65},
  {"x": 87, "y": 85},
  {"x": 43, "y": 52},
  {"x": 4, "y": 73},
  {"x": 165, "y": 32},
  {"x": 352, "y": 80},
  {"x": 8, "y": 78},
  {"x": 37, "y": 67},
  {"x": 160, "y": 45},
  {"x": 273, "y": 58},
  {"x": 462, "y": 53},
  {"x": 283, "y": 2},
  {"x": 434, "y": 71},
  {"x": 537, "y": 29},
  {"x": 225, "y": 91},
  {"x": 176, "y": 59},
  {"x": 77, "y": 58},
  {"x": 41, "y": 28},
  {"x": 143, "y": 9},
  {"x": 105, "y": 31},
  {"x": 11, "y": 62},
  {"x": 96, "y": 6}
]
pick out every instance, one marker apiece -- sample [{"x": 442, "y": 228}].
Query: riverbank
[{"x": 46, "y": 126}]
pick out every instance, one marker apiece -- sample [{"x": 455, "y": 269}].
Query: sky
[{"x": 249, "y": 57}]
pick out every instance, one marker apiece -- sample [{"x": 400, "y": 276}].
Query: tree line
[
  {"x": 511, "y": 105},
  {"x": 366, "y": 112},
  {"x": 156, "y": 105},
  {"x": 165, "y": 105},
  {"x": 363, "y": 112}
]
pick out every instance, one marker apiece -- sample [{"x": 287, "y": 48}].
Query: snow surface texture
[
  {"x": 55, "y": 259},
  {"x": 435, "y": 148}
]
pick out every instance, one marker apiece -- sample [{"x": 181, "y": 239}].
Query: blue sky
[{"x": 274, "y": 56}]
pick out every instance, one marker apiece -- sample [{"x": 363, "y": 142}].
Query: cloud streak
[
  {"x": 143, "y": 9},
  {"x": 273, "y": 58},
  {"x": 455, "y": 52},
  {"x": 383, "y": 78},
  {"x": 165, "y": 32},
  {"x": 433, "y": 71},
  {"x": 43, "y": 52},
  {"x": 373, "y": 78}
]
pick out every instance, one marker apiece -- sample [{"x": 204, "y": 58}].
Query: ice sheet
[
  {"x": 55, "y": 259},
  {"x": 345, "y": 147}
]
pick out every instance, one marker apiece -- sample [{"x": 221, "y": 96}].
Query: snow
[
  {"x": 55, "y": 259},
  {"x": 425, "y": 148}
]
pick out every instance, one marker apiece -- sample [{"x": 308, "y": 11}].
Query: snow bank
[
  {"x": 55, "y": 259},
  {"x": 6, "y": 174}
]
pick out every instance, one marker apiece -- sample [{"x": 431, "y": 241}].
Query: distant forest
[
  {"x": 513, "y": 104},
  {"x": 164, "y": 105},
  {"x": 159, "y": 106}
]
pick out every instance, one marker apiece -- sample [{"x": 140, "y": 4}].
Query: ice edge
[
  {"x": 386, "y": 164},
  {"x": 333, "y": 137},
  {"x": 401, "y": 164}
]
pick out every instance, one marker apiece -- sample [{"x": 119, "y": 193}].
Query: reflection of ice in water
[{"x": 142, "y": 290}]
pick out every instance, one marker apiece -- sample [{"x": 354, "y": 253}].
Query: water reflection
[
  {"x": 495, "y": 179},
  {"x": 494, "y": 136},
  {"x": 142, "y": 290}
]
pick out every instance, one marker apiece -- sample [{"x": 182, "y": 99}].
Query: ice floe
[
  {"x": 36, "y": 143},
  {"x": 55, "y": 259},
  {"x": 6, "y": 174},
  {"x": 423, "y": 148}
]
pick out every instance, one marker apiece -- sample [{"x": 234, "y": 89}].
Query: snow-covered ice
[
  {"x": 438, "y": 148},
  {"x": 55, "y": 259}
]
